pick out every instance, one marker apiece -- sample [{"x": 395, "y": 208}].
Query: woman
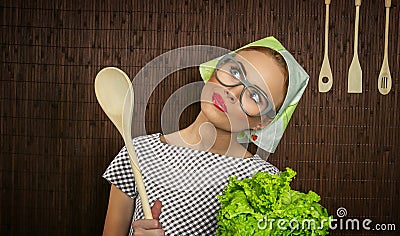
[{"x": 250, "y": 95}]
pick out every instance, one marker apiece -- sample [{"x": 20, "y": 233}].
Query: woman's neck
[{"x": 203, "y": 135}]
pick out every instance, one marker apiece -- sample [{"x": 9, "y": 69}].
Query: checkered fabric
[{"x": 187, "y": 182}]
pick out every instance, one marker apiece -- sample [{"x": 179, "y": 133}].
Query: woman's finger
[
  {"x": 152, "y": 232},
  {"x": 156, "y": 209},
  {"x": 146, "y": 224}
]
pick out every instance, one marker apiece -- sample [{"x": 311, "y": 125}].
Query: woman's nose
[{"x": 233, "y": 93}]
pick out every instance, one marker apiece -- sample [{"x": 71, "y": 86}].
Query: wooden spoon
[
  {"x": 114, "y": 93},
  {"x": 385, "y": 79},
  {"x": 325, "y": 75},
  {"x": 355, "y": 72}
]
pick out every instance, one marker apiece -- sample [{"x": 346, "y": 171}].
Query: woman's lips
[{"x": 219, "y": 102}]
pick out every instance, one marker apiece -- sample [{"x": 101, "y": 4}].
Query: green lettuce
[{"x": 266, "y": 205}]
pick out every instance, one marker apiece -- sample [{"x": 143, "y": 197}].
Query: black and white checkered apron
[{"x": 185, "y": 180}]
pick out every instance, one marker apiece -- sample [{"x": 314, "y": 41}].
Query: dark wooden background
[{"x": 56, "y": 141}]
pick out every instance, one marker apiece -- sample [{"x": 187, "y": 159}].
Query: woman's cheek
[
  {"x": 238, "y": 119},
  {"x": 235, "y": 119}
]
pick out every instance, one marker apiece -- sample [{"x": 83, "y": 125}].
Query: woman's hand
[{"x": 149, "y": 227}]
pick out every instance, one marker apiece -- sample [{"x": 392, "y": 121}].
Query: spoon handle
[
  {"x": 385, "y": 55},
  {"x": 358, "y": 3},
  {"x": 127, "y": 136},
  {"x": 138, "y": 180},
  {"x": 326, "y": 26}
]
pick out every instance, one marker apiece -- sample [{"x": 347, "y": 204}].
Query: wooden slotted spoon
[
  {"x": 385, "y": 79},
  {"x": 114, "y": 93},
  {"x": 355, "y": 73},
  {"x": 325, "y": 75}
]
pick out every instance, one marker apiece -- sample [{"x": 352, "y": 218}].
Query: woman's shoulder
[
  {"x": 262, "y": 165},
  {"x": 148, "y": 137}
]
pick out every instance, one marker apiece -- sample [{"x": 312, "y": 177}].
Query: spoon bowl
[{"x": 111, "y": 85}]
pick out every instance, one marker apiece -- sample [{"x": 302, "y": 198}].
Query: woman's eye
[
  {"x": 255, "y": 96},
  {"x": 235, "y": 72}
]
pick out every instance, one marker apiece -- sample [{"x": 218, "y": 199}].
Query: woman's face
[{"x": 221, "y": 104}]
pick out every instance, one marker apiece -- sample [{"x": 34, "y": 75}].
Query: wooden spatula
[
  {"x": 325, "y": 75},
  {"x": 355, "y": 73},
  {"x": 385, "y": 79}
]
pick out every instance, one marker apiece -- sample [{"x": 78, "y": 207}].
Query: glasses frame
[{"x": 269, "y": 110}]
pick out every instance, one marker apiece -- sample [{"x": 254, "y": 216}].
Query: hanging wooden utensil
[
  {"x": 325, "y": 75},
  {"x": 355, "y": 73},
  {"x": 384, "y": 79}
]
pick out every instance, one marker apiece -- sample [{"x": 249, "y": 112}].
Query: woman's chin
[{"x": 222, "y": 120}]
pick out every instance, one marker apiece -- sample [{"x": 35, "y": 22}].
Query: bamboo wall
[{"x": 56, "y": 141}]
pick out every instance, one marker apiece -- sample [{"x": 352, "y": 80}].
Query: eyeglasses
[{"x": 253, "y": 100}]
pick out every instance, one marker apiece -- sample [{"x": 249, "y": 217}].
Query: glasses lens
[
  {"x": 229, "y": 72},
  {"x": 255, "y": 102}
]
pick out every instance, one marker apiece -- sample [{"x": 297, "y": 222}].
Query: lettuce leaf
[{"x": 266, "y": 205}]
